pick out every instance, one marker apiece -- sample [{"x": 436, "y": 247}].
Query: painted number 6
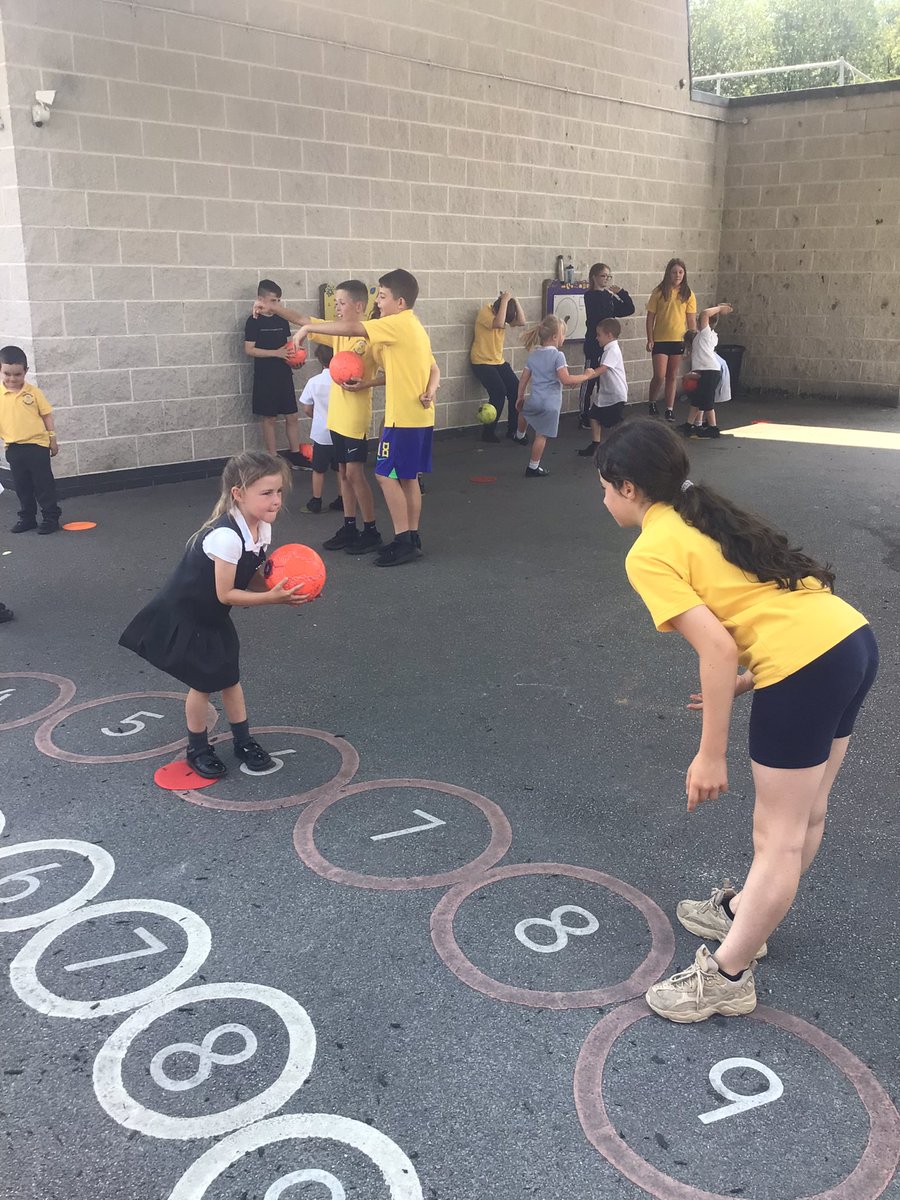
[
  {"x": 136, "y": 725},
  {"x": 740, "y": 1101}
]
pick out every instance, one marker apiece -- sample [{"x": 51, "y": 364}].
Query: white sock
[{"x": 533, "y": 465}]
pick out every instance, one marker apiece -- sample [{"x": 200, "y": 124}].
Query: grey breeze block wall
[
  {"x": 811, "y": 241},
  {"x": 191, "y": 151}
]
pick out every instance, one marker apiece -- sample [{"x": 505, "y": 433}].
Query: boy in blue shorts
[{"x": 401, "y": 347}]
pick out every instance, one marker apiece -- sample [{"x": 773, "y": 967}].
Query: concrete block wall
[
  {"x": 196, "y": 145},
  {"x": 811, "y": 242}
]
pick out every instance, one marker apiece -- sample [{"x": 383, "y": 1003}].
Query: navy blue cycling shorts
[{"x": 794, "y": 722}]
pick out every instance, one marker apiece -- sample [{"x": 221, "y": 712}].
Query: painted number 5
[
  {"x": 740, "y": 1101},
  {"x": 136, "y": 725}
]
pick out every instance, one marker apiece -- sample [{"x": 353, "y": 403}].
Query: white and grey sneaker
[{"x": 708, "y": 918}]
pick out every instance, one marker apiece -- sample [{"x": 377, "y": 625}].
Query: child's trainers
[
  {"x": 23, "y": 525},
  {"x": 253, "y": 756},
  {"x": 6, "y": 614},
  {"x": 365, "y": 542},
  {"x": 46, "y": 526},
  {"x": 652, "y": 410},
  {"x": 313, "y": 505},
  {"x": 702, "y": 991},
  {"x": 345, "y": 536},
  {"x": 670, "y": 414},
  {"x": 589, "y": 451},
  {"x": 396, "y": 554},
  {"x": 686, "y": 428},
  {"x": 206, "y": 763},
  {"x": 536, "y": 472},
  {"x": 337, "y": 505},
  {"x": 708, "y": 918},
  {"x": 708, "y": 431}
]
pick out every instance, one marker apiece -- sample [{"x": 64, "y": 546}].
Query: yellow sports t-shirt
[
  {"x": 20, "y": 416},
  {"x": 349, "y": 413},
  {"x": 671, "y": 314},
  {"x": 674, "y": 567},
  {"x": 402, "y": 349},
  {"x": 487, "y": 344}
]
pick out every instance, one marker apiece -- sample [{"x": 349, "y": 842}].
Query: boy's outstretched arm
[
  {"x": 706, "y": 313},
  {"x": 280, "y": 310},
  {"x": 331, "y": 329}
]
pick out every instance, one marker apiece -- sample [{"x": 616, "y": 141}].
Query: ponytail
[
  {"x": 540, "y": 335},
  {"x": 652, "y": 458}
]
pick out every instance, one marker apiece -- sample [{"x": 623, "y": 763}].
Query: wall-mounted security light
[{"x": 40, "y": 110}]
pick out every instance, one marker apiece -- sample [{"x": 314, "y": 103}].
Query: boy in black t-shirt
[{"x": 266, "y": 341}]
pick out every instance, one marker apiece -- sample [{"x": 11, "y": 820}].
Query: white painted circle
[
  {"x": 27, "y": 986},
  {"x": 102, "y": 866},
  {"x": 397, "y": 1171},
  {"x": 115, "y": 1099}
]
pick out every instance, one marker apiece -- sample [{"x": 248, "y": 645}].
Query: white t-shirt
[
  {"x": 723, "y": 390},
  {"x": 227, "y": 545},
  {"x": 703, "y": 351},
  {"x": 316, "y": 393},
  {"x": 612, "y": 387}
]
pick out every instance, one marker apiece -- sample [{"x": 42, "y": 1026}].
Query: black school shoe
[
  {"x": 708, "y": 431},
  {"x": 48, "y": 527},
  {"x": 652, "y": 410},
  {"x": 337, "y": 505},
  {"x": 206, "y": 763},
  {"x": 536, "y": 472},
  {"x": 345, "y": 536},
  {"x": 670, "y": 414},
  {"x": 252, "y": 755},
  {"x": 589, "y": 451},
  {"x": 6, "y": 614},
  {"x": 23, "y": 525},
  {"x": 366, "y": 542},
  {"x": 686, "y": 428},
  {"x": 313, "y": 505},
  {"x": 396, "y": 554}
]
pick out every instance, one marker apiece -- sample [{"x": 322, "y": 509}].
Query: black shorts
[
  {"x": 670, "y": 349},
  {"x": 794, "y": 722},
  {"x": 607, "y": 415},
  {"x": 323, "y": 458},
  {"x": 705, "y": 396},
  {"x": 349, "y": 450}
]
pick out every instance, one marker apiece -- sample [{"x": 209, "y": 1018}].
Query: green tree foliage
[{"x": 744, "y": 35}]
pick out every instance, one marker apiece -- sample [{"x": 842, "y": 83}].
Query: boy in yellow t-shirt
[
  {"x": 26, "y": 427},
  {"x": 401, "y": 347}
]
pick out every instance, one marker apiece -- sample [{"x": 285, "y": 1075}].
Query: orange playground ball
[
  {"x": 689, "y": 384},
  {"x": 298, "y": 567},
  {"x": 306, "y": 451},
  {"x": 296, "y": 357},
  {"x": 346, "y": 366}
]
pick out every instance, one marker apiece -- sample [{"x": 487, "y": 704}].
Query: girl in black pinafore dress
[{"x": 186, "y": 629}]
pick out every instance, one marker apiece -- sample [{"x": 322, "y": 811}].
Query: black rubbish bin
[{"x": 734, "y": 356}]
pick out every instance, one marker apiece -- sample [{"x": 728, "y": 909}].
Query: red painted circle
[
  {"x": 304, "y": 844},
  {"x": 44, "y": 741},
  {"x": 866, "y": 1181},
  {"x": 662, "y": 941},
  {"x": 348, "y": 768},
  {"x": 66, "y": 692}
]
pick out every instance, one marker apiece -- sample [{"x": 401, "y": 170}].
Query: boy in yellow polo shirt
[
  {"x": 402, "y": 349},
  {"x": 349, "y": 416},
  {"x": 26, "y": 428}
]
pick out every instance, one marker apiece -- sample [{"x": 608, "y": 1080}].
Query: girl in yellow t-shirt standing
[
  {"x": 671, "y": 311},
  {"x": 488, "y": 363},
  {"x": 734, "y": 588}
]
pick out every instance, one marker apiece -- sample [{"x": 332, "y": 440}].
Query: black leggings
[
  {"x": 587, "y": 388},
  {"x": 501, "y": 383}
]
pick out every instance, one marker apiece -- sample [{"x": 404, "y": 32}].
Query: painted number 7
[
  {"x": 136, "y": 725},
  {"x": 430, "y": 822},
  {"x": 740, "y": 1101}
]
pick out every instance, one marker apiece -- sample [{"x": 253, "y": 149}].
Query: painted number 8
[
  {"x": 205, "y": 1055},
  {"x": 561, "y": 930}
]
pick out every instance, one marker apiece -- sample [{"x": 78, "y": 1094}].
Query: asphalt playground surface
[{"x": 410, "y": 962}]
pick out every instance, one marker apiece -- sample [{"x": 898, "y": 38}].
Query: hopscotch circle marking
[
  {"x": 396, "y": 1169},
  {"x": 116, "y": 1101},
  {"x": 348, "y": 768},
  {"x": 102, "y": 867},
  {"x": 23, "y": 968},
  {"x": 206, "y": 1057},
  {"x": 43, "y": 737},
  {"x": 662, "y": 941},
  {"x": 309, "y": 1175},
  {"x": 66, "y": 692},
  {"x": 500, "y": 841},
  {"x": 2, "y": 822},
  {"x": 866, "y": 1181}
]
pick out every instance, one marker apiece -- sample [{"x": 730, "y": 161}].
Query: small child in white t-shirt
[
  {"x": 706, "y": 371},
  {"x": 314, "y": 401},
  {"x": 608, "y": 407}
]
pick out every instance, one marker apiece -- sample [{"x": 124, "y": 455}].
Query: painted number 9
[{"x": 740, "y": 1102}]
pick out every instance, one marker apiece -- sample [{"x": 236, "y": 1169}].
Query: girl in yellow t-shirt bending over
[
  {"x": 671, "y": 312},
  {"x": 736, "y": 590}
]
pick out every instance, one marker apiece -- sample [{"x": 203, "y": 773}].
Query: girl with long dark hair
[
  {"x": 671, "y": 311},
  {"x": 737, "y": 590}
]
